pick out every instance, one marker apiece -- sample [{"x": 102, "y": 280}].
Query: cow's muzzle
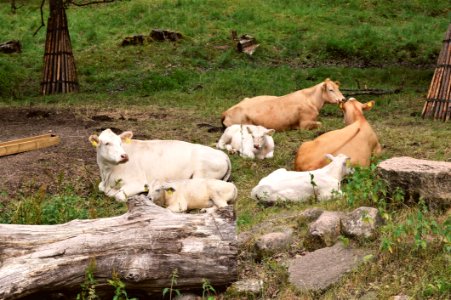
[{"x": 124, "y": 158}]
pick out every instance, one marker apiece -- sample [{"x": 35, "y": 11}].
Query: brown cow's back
[
  {"x": 294, "y": 110},
  {"x": 357, "y": 140}
]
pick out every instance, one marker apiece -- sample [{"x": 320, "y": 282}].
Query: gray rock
[
  {"x": 310, "y": 214},
  {"x": 419, "y": 178},
  {"x": 244, "y": 238},
  {"x": 318, "y": 270},
  {"x": 248, "y": 286},
  {"x": 325, "y": 230},
  {"x": 273, "y": 242},
  {"x": 362, "y": 223}
]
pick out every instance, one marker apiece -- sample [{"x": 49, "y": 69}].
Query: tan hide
[
  {"x": 357, "y": 140},
  {"x": 299, "y": 109}
]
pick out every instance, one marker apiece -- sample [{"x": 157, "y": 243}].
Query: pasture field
[{"x": 163, "y": 90}]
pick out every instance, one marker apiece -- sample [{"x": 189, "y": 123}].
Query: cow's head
[
  {"x": 331, "y": 92},
  {"x": 161, "y": 195},
  {"x": 258, "y": 134},
  {"x": 341, "y": 164},
  {"x": 109, "y": 146},
  {"x": 353, "y": 109}
]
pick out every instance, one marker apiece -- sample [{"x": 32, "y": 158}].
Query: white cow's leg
[
  {"x": 247, "y": 151},
  {"x": 132, "y": 189},
  {"x": 270, "y": 154},
  {"x": 117, "y": 194},
  {"x": 102, "y": 186},
  {"x": 224, "y": 141},
  {"x": 178, "y": 206}
]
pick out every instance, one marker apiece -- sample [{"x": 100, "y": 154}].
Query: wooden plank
[{"x": 28, "y": 144}]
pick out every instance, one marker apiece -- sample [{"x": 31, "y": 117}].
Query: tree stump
[{"x": 143, "y": 246}]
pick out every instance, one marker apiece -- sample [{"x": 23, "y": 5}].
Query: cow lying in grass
[
  {"x": 357, "y": 140},
  {"x": 197, "y": 193},
  {"x": 249, "y": 140},
  {"x": 127, "y": 166},
  {"x": 283, "y": 185},
  {"x": 299, "y": 109}
]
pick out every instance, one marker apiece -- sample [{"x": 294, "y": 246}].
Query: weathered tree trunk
[
  {"x": 143, "y": 246},
  {"x": 60, "y": 74}
]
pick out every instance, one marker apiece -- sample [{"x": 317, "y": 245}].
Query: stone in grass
[
  {"x": 324, "y": 231},
  {"x": 428, "y": 179},
  {"x": 362, "y": 223},
  {"x": 249, "y": 286},
  {"x": 317, "y": 271},
  {"x": 273, "y": 242}
]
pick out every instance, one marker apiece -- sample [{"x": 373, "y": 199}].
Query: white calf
[
  {"x": 299, "y": 186},
  {"x": 249, "y": 140},
  {"x": 127, "y": 166},
  {"x": 196, "y": 193}
]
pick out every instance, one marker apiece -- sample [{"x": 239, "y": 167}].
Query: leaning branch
[
  {"x": 90, "y": 2},
  {"x": 42, "y": 18},
  {"x": 354, "y": 92}
]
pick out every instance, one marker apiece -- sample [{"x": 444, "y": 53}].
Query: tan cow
[
  {"x": 299, "y": 109},
  {"x": 357, "y": 140}
]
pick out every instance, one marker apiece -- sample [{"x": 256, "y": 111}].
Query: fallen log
[{"x": 143, "y": 247}]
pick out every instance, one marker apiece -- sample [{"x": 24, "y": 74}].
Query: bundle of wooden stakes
[
  {"x": 438, "y": 103},
  {"x": 60, "y": 75}
]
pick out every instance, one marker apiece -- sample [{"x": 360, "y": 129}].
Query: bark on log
[{"x": 144, "y": 246}]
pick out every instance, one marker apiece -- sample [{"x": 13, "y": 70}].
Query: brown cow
[
  {"x": 296, "y": 110},
  {"x": 357, "y": 140}
]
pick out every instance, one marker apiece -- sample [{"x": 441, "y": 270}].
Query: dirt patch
[{"x": 73, "y": 161}]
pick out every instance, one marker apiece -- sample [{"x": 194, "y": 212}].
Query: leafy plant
[
  {"x": 207, "y": 290},
  {"x": 171, "y": 290},
  {"x": 119, "y": 288},
  {"x": 88, "y": 287}
]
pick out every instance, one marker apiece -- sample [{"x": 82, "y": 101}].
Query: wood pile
[
  {"x": 60, "y": 74},
  {"x": 438, "y": 103}
]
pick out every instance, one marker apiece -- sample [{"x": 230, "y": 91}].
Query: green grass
[{"x": 378, "y": 44}]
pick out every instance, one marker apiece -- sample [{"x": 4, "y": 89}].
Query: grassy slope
[{"x": 301, "y": 44}]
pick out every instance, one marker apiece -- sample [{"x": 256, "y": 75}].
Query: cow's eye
[{"x": 107, "y": 144}]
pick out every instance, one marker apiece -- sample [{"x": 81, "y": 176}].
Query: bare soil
[{"x": 73, "y": 161}]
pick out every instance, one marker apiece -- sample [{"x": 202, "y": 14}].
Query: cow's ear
[
  {"x": 325, "y": 84},
  {"x": 94, "y": 139},
  {"x": 342, "y": 107},
  {"x": 126, "y": 136},
  {"x": 169, "y": 191},
  {"x": 337, "y": 83},
  {"x": 270, "y": 131},
  {"x": 368, "y": 105}
]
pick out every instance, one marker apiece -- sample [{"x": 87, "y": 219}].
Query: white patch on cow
[
  {"x": 196, "y": 193},
  {"x": 249, "y": 140},
  {"x": 129, "y": 167},
  {"x": 285, "y": 185}
]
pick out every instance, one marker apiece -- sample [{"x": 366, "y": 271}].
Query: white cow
[
  {"x": 128, "y": 166},
  {"x": 196, "y": 193},
  {"x": 249, "y": 140},
  {"x": 299, "y": 186}
]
